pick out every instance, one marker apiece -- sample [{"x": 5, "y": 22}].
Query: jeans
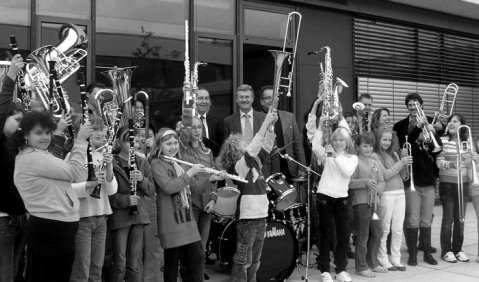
[
  {"x": 391, "y": 212},
  {"x": 369, "y": 237},
  {"x": 333, "y": 208},
  {"x": 448, "y": 192},
  {"x": 89, "y": 249},
  {"x": 127, "y": 243},
  {"x": 249, "y": 245},
  {"x": 192, "y": 254},
  {"x": 12, "y": 244},
  {"x": 152, "y": 252},
  {"x": 419, "y": 206}
]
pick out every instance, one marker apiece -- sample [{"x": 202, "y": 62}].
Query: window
[{"x": 392, "y": 60}]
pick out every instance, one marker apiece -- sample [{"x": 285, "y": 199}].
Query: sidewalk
[{"x": 455, "y": 272}]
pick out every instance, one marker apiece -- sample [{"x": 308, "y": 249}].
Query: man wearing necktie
[
  {"x": 212, "y": 127},
  {"x": 246, "y": 121}
]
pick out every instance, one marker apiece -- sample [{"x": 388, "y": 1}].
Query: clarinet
[
  {"x": 51, "y": 86},
  {"x": 109, "y": 147},
  {"x": 26, "y": 95},
  {"x": 86, "y": 119},
  {"x": 132, "y": 163},
  {"x": 61, "y": 94}
]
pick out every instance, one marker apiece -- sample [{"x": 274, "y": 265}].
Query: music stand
[{"x": 308, "y": 220}]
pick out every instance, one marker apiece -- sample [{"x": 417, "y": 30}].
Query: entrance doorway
[{"x": 258, "y": 71}]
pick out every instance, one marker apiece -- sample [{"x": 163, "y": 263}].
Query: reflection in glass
[
  {"x": 15, "y": 12},
  {"x": 217, "y": 76},
  {"x": 215, "y": 16},
  {"x": 162, "y": 17},
  {"x": 65, "y": 8},
  {"x": 264, "y": 24}
]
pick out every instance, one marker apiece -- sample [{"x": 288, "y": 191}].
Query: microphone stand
[{"x": 308, "y": 221}]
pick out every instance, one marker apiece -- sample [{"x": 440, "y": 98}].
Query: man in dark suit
[
  {"x": 287, "y": 131},
  {"x": 246, "y": 121},
  {"x": 212, "y": 127}
]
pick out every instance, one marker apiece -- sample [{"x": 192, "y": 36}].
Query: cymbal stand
[{"x": 308, "y": 220}]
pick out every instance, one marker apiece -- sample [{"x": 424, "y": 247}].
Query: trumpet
[
  {"x": 407, "y": 146},
  {"x": 466, "y": 146},
  {"x": 372, "y": 199},
  {"x": 208, "y": 170},
  {"x": 428, "y": 135}
]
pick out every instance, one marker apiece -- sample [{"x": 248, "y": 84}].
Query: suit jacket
[
  {"x": 291, "y": 133},
  {"x": 232, "y": 123},
  {"x": 215, "y": 133}
]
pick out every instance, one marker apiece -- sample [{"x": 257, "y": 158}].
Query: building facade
[{"x": 385, "y": 48}]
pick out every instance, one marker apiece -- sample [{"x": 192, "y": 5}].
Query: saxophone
[
  {"x": 190, "y": 84},
  {"x": 329, "y": 94}
]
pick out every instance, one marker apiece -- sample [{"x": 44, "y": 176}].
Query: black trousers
[{"x": 50, "y": 249}]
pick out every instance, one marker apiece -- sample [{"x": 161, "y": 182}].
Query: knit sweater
[
  {"x": 120, "y": 202},
  {"x": 446, "y": 162},
  {"x": 358, "y": 185},
  {"x": 176, "y": 225},
  {"x": 198, "y": 155},
  {"x": 253, "y": 201},
  {"x": 44, "y": 182},
  {"x": 392, "y": 169}
]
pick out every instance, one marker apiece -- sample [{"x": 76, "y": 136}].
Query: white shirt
[{"x": 243, "y": 120}]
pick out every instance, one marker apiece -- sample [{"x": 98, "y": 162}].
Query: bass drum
[{"x": 279, "y": 255}]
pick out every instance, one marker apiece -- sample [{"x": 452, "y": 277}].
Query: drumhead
[
  {"x": 228, "y": 192},
  {"x": 278, "y": 258}
]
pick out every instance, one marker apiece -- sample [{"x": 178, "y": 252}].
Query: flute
[{"x": 208, "y": 170}]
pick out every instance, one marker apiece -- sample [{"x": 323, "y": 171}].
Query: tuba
[
  {"x": 120, "y": 79},
  {"x": 67, "y": 54}
]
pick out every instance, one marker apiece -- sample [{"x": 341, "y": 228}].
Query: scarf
[{"x": 181, "y": 199}]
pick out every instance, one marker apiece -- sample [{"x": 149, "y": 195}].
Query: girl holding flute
[{"x": 177, "y": 227}]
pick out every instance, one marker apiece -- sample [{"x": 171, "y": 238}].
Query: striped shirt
[{"x": 446, "y": 162}]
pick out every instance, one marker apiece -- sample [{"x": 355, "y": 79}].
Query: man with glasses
[
  {"x": 287, "y": 131},
  {"x": 212, "y": 127},
  {"x": 246, "y": 121}
]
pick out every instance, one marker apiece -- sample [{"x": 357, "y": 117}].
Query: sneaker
[
  {"x": 449, "y": 257},
  {"x": 461, "y": 256},
  {"x": 343, "y": 276},
  {"x": 326, "y": 277}
]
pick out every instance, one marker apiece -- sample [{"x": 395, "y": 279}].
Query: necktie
[
  {"x": 248, "y": 129},
  {"x": 205, "y": 132}
]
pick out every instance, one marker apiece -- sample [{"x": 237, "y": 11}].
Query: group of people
[{"x": 377, "y": 180}]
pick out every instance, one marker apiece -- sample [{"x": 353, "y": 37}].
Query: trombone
[
  {"x": 407, "y": 146},
  {"x": 279, "y": 57},
  {"x": 428, "y": 135},
  {"x": 448, "y": 98},
  {"x": 466, "y": 146}
]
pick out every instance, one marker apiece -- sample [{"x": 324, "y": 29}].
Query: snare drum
[
  {"x": 280, "y": 193},
  {"x": 225, "y": 206},
  {"x": 293, "y": 214}
]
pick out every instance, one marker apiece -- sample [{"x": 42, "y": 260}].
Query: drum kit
[{"x": 284, "y": 229}]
